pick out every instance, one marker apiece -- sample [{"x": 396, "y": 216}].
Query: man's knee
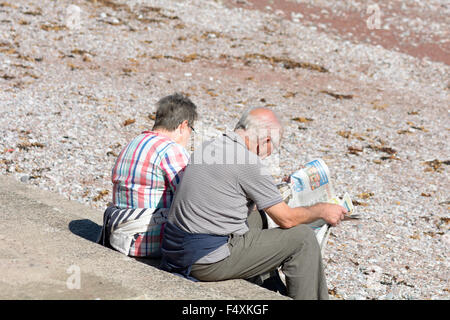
[{"x": 303, "y": 235}]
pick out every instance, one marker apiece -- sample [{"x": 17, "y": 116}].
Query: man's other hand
[
  {"x": 333, "y": 214},
  {"x": 287, "y": 217}
]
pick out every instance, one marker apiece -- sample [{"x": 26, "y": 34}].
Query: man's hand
[
  {"x": 287, "y": 217},
  {"x": 332, "y": 213}
]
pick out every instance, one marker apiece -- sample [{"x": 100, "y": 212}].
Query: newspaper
[{"x": 309, "y": 185}]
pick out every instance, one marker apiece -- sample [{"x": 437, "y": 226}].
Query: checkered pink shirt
[{"x": 146, "y": 175}]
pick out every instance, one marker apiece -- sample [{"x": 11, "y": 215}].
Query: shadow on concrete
[
  {"x": 154, "y": 262},
  {"x": 89, "y": 230},
  {"x": 86, "y": 229}
]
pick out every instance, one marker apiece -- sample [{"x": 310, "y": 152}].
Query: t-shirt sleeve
[
  {"x": 258, "y": 186},
  {"x": 173, "y": 163}
]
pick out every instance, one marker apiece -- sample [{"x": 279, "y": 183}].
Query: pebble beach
[{"x": 79, "y": 79}]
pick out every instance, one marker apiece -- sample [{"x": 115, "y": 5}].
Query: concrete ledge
[{"x": 46, "y": 242}]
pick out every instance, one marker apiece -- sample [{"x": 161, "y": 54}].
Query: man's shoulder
[{"x": 225, "y": 151}]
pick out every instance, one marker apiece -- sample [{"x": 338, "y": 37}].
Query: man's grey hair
[
  {"x": 172, "y": 110},
  {"x": 260, "y": 127},
  {"x": 248, "y": 122}
]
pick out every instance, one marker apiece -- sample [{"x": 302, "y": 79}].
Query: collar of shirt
[{"x": 156, "y": 134}]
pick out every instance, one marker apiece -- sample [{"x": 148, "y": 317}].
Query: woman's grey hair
[{"x": 173, "y": 110}]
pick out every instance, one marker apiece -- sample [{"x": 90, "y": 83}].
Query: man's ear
[
  {"x": 266, "y": 141},
  {"x": 264, "y": 145}
]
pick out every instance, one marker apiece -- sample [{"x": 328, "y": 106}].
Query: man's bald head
[
  {"x": 259, "y": 126},
  {"x": 258, "y": 118}
]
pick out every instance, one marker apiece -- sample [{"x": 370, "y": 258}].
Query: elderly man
[
  {"x": 145, "y": 177},
  {"x": 212, "y": 233}
]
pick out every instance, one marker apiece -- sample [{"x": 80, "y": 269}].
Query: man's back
[{"x": 220, "y": 185}]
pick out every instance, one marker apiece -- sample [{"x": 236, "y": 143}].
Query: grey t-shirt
[{"x": 220, "y": 185}]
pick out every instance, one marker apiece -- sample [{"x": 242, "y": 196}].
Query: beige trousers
[{"x": 260, "y": 251}]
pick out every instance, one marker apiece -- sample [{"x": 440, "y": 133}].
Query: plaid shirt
[{"x": 146, "y": 175}]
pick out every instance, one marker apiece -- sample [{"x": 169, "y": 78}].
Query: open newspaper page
[{"x": 309, "y": 185}]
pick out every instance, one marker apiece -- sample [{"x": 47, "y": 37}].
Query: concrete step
[{"x": 48, "y": 251}]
